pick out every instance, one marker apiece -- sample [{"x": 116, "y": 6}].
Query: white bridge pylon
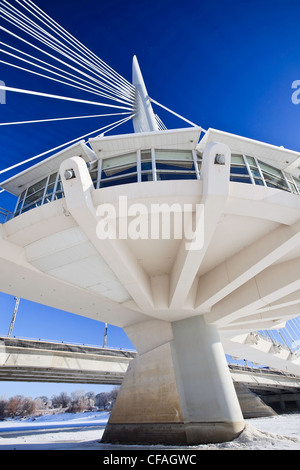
[
  {"x": 178, "y": 306},
  {"x": 144, "y": 118}
]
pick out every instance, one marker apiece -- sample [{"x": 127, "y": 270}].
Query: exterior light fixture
[
  {"x": 69, "y": 174},
  {"x": 220, "y": 159}
]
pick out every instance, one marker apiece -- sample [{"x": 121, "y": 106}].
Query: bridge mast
[{"x": 144, "y": 117}]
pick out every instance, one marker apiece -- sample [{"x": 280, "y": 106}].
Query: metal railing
[
  {"x": 288, "y": 337},
  {"x": 56, "y": 342},
  {"x": 5, "y": 215}
]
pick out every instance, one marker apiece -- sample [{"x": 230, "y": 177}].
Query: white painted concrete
[{"x": 245, "y": 276}]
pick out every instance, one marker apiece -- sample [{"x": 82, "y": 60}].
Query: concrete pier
[{"x": 179, "y": 387}]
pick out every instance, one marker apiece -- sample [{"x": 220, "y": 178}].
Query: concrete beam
[
  {"x": 215, "y": 175},
  {"x": 256, "y": 320},
  {"x": 261, "y": 351},
  {"x": 36, "y": 374},
  {"x": 287, "y": 301},
  {"x": 115, "y": 252},
  {"x": 270, "y": 285},
  {"x": 19, "y": 278},
  {"x": 240, "y": 268}
]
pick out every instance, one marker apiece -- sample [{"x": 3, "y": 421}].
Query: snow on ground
[{"x": 82, "y": 431}]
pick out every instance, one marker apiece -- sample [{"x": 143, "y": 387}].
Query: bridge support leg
[{"x": 178, "y": 391}]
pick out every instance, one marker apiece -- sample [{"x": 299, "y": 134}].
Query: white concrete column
[
  {"x": 178, "y": 390},
  {"x": 210, "y": 407}
]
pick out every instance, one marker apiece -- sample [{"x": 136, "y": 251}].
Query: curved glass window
[
  {"x": 41, "y": 192},
  {"x": 296, "y": 182},
  {"x": 34, "y": 195},
  {"x": 238, "y": 170},
  {"x": 245, "y": 169},
  {"x": 119, "y": 170},
  {"x": 171, "y": 164},
  {"x": 157, "y": 165},
  {"x": 273, "y": 177},
  {"x": 147, "y": 167}
]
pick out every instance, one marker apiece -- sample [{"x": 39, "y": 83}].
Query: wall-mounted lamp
[
  {"x": 69, "y": 174},
  {"x": 220, "y": 159}
]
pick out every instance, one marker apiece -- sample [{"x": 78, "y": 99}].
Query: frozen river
[{"x": 83, "y": 431}]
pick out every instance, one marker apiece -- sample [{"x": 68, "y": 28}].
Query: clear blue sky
[{"x": 225, "y": 64}]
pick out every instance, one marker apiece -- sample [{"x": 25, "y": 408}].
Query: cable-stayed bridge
[
  {"x": 31, "y": 360},
  {"x": 207, "y": 253}
]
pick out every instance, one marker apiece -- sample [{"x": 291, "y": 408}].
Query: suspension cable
[
  {"x": 43, "y": 36},
  {"x": 178, "y": 115},
  {"x": 74, "y": 41},
  {"x": 55, "y": 67},
  {"x": 115, "y": 90},
  {"x": 65, "y": 98},
  {"x": 108, "y": 127},
  {"x": 104, "y": 95},
  {"x": 60, "y": 119}
]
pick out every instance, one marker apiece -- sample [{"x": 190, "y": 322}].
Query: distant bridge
[
  {"x": 44, "y": 361},
  {"x": 28, "y": 360}
]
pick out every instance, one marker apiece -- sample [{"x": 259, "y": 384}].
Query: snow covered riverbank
[{"x": 82, "y": 431}]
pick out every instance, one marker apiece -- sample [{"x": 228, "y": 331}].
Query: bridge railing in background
[
  {"x": 283, "y": 339},
  {"x": 38, "y": 343},
  {"x": 5, "y": 215},
  {"x": 288, "y": 337}
]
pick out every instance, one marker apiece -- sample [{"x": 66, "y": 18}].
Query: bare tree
[
  {"x": 90, "y": 396},
  {"x": 20, "y": 406},
  {"x": 106, "y": 400},
  {"x": 101, "y": 400},
  {"x": 61, "y": 401},
  {"x": 27, "y": 407},
  {"x": 114, "y": 393},
  {"x": 43, "y": 402},
  {"x": 13, "y": 407},
  {"x": 79, "y": 402},
  {"x": 3, "y": 404}
]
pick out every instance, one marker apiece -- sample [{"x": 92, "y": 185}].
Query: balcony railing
[
  {"x": 153, "y": 165},
  {"x": 5, "y": 215}
]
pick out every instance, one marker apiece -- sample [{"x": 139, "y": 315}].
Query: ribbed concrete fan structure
[{"x": 184, "y": 238}]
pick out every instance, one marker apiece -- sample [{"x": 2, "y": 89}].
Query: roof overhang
[
  {"x": 104, "y": 147},
  {"x": 16, "y": 184},
  {"x": 279, "y": 157},
  {"x": 180, "y": 139}
]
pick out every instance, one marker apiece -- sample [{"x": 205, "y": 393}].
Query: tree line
[{"x": 79, "y": 401}]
